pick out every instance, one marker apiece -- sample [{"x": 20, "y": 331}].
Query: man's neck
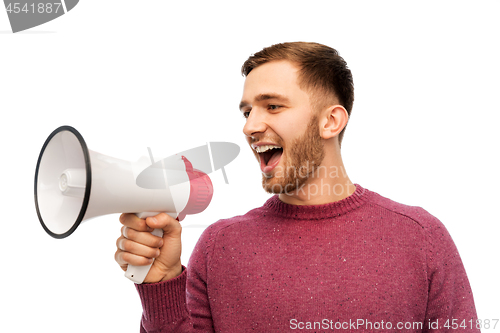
[{"x": 325, "y": 185}]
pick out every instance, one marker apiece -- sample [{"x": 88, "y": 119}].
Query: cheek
[{"x": 289, "y": 128}]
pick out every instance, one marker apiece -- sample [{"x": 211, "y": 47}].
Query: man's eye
[
  {"x": 273, "y": 107},
  {"x": 246, "y": 114}
]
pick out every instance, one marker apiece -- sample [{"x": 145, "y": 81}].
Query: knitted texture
[{"x": 361, "y": 264}]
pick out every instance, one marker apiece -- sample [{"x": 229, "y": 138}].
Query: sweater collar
[{"x": 329, "y": 210}]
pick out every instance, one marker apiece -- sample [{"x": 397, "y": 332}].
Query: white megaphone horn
[{"x": 74, "y": 184}]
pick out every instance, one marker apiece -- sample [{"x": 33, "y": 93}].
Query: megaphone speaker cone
[{"x": 63, "y": 167}]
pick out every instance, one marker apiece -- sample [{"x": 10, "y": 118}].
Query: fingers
[
  {"x": 160, "y": 221},
  {"x": 132, "y": 221},
  {"x": 142, "y": 237},
  {"x": 165, "y": 222},
  {"x": 138, "y": 246},
  {"x": 126, "y": 258},
  {"x": 138, "y": 249},
  {"x": 130, "y": 252}
]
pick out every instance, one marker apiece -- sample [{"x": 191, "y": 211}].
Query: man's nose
[{"x": 255, "y": 123}]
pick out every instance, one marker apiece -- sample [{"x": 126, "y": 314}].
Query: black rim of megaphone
[{"x": 87, "y": 185}]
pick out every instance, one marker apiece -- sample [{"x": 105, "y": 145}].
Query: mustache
[{"x": 277, "y": 140}]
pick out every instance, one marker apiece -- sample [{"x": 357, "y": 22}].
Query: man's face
[{"x": 281, "y": 126}]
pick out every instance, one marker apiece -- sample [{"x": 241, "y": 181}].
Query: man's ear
[{"x": 332, "y": 121}]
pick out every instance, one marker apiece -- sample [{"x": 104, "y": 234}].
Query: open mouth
[{"x": 270, "y": 156}]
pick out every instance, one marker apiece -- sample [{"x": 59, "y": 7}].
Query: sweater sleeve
[
  {"x": 450, "y": 305},
  {"x": 180, "y": 305},
  {"x": 164, "y": 306}
]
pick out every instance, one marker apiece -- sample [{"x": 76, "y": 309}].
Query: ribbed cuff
[{"x": 164, "y": 301}]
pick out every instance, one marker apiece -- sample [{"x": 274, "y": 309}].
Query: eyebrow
[{"x": 263, "y": 97}]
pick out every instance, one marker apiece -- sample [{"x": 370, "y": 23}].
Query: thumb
[{"x": 163, "y": 221}]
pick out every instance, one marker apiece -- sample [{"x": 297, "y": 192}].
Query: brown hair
[{"x": 323, "y": 72}]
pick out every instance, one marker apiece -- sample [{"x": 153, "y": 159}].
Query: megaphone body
[{"x": 74, "y": 184}]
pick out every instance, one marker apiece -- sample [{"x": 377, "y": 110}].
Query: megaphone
[{"x": 74, "y": 184}]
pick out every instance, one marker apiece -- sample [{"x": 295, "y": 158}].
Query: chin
[{"x": 282, "y": 185}]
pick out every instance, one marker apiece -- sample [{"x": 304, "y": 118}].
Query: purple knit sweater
[{"x": 362, "y": 264}]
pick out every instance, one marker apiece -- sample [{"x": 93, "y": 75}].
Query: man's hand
[{"x": 137, "y": 246}]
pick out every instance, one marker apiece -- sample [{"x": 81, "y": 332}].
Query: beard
[{"x": 303, "y": 156}]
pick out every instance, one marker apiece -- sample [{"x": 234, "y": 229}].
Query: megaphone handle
[{"x": 138, "y": 273}]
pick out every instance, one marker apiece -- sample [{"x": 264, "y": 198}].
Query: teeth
[{"x": 264, "y": 148}]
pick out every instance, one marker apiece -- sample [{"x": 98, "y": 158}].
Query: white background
[{"x": 135, "y": 74}]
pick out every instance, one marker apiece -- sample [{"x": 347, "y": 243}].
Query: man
[{"x": 323, "y": 254}]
